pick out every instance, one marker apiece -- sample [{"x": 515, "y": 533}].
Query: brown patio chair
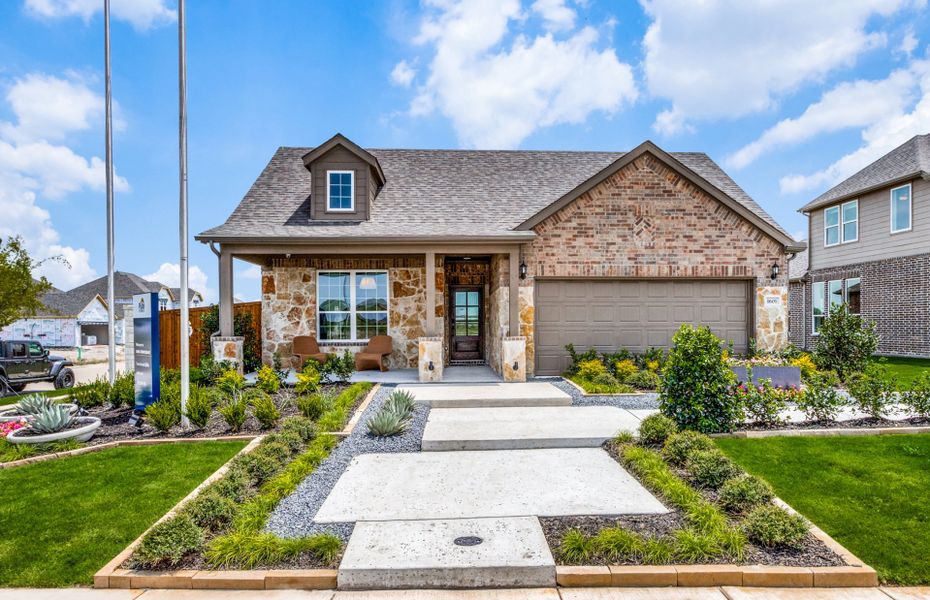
[
  {"x": 305, "y": 348},
  {"x": 372, "y": 355}
]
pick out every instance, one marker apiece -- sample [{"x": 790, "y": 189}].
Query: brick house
[
  {"x": 870, "y": 249},
  {"x": 503, "y": 257}
]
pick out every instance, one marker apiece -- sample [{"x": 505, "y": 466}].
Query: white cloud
[
  {"x": 800, "y": 235},
  {"x": 908, "y": 43},
  {"x": 170, "y": 275},
  {"x": 557, "y": 15},
  {"x": 718, "y": 59},
  {"x": 403, "y": 74},
  {"x": 849, "y": 104},
  {"x": 251, "y": 272},
  {"x": 141, "y": 14},
  {"x": 496, "y": 91},
  {"x": 47, "y": 108},
  {"x": 880, "y": 136}
]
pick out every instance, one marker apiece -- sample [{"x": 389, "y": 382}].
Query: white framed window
[
  {"x": 901, "y": 209},
  {"x": 352, "y": 306},
  {"x": 818, "y": 305},
  {"x": 841, "y": 223},
  {"x": 854, "y": 295},
  {"x": 831, "y": 226},
  {"x": 340, "y": 191},
  {"x": 835, "y": 293},
  {"x": 850, "y": 212}
]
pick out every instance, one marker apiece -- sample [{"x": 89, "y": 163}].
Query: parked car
[{"x": 26, "y": 361}]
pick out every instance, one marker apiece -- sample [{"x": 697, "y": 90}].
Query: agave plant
[
  {"x": 52, "y": 419},
  {"x": 387, "y": 423},
  {"x": 400, "y": 402},
  {"x": 34, "y": 404}
]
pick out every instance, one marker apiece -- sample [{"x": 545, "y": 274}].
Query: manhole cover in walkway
[{"x": 467, "y": 540}]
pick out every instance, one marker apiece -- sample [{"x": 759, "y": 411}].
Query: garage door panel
[{"x": 636, "y": 315}]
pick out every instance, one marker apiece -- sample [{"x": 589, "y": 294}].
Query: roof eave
[
  {"x": 815, "y": 204},
  {"x": 516, "y": 236}
]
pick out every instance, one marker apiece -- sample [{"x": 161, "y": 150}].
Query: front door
[{"x": 466, "y": 323}]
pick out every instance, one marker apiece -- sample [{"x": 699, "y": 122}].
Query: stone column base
[
  {"x": 513, "y": 358},
  {"x": 429, "y": 361},
  {"x": 229, "y": 349}
]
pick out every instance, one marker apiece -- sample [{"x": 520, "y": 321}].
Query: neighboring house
[
  {"x": 170, "y": 298},
  {"x": 79, "y": 316},
  {"x": 870, "y": 249},
  {"x": 601, "y": 249},
  {"x": 797, "y": 305}
]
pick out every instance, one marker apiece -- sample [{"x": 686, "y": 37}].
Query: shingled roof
[
  {"x": 441, "y": 194},
  {"x": 908, "y": 161},
  {"x": 125, "y": 286}
]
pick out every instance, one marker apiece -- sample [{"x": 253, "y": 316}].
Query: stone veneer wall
[
  {"x": 647, "y": 221},
  {"x": 289, "y": 304},
  {"x": 499, "y": 312}
]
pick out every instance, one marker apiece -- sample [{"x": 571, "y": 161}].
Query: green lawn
[
  {"x": 870, "y": 493},
  {"x": 906, "y": 370},
  {"x": 64, "y": 519}
]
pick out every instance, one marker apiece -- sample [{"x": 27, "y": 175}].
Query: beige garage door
[{"x": 632, "y": 314}]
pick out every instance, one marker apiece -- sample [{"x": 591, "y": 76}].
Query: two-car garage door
[{"x": 612, "y": 314}]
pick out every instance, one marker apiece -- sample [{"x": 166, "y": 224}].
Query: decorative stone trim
[
  {"x": 430, "y": 360},
  {"x": 228, "y": 349},
  {"x": 513, "y": 358}
]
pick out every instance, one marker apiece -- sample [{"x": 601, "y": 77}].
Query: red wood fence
[{"x": 169, "y": 332}]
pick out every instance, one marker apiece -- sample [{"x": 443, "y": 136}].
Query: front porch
[
  {"x": 453, "y": 299},
  {"x": 453, "y": 374}
]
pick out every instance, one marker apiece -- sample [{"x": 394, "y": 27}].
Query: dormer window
[{"x": 340, "y": 191}]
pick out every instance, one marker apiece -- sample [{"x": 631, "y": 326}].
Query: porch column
[
  {"x": 431, "y": 294},
  {"x": 226, "y": 293},
  {"x": 514, "y": 292}
]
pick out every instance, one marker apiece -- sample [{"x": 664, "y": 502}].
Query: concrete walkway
[
  {"x": 548, "y": 593},
  {"x": 481, "y": 395}
]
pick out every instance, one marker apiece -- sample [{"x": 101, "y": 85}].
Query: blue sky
[{"x": 788, "y": 97}]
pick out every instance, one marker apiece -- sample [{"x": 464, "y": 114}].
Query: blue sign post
[{"x": 145, "y": 346}]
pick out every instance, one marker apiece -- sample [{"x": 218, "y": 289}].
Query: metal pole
[
  {"x": 111, "y": 260},
  {"x": 182, "y": 151}
]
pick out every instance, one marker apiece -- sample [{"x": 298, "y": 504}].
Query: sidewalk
[{"x": 726, "y": 593}]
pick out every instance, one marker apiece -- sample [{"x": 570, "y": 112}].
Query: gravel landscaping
[
  {"x": 293, "y": 517},
  {"x": 644, "y": 400}
]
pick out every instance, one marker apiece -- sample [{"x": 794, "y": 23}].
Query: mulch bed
[
  {"x": 812, "y": 553},
  {"x": 197, "y": 562},
  {"x": 863, "y": 423}
]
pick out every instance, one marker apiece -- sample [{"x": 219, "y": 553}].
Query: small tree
[
  {"x": 845, "y": 343},
  {"x": 696, "y": 381},
  {"x": 20, "y": 293}
]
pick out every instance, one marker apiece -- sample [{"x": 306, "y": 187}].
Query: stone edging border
[
  {"x": 584, "y": 393},
  {"x": 854, "y": 574},
  {"x": 825, "y": 432},
  {"x": 113, "y": 576}
]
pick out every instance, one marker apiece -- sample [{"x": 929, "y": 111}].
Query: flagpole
[
  {"x": 182, "y": 152},
  {"x": 111, "y": 260}
]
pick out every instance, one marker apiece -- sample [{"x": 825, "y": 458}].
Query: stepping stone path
[{"x": 463, "y": 513}]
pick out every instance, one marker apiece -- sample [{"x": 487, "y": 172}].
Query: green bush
[
  {"x": 651, "y": 360},
  {"x": 696, "y": 380},
  {"x": 772, "y": 527},
  {"x": 338, "y": 367},
  {"x": 624, "y": 369},
  {"x": 265, "y": 411},
  {"x": 680, "y": 446},
  {"x": 590, "y": 369},
  {"x": 233, "y": 412},
  {"x": 917, "y": 396},
  {"x": 742, "y": 494},
  {"x": 615, "y": 543},
  {"x": 301, "y": 426},
  {"x": 644, "y": 380},
  {"x": 199, "y": 407},
  {"x": 258, "y": 466},
  {"x": 655, "y": 429},
  {"x": 710, "y": 468},
  {"x": 308, "y": 380},
  {"x": 695, "y": 546},
  {"x": 577, "y": 358},
  {"x": 164, "y": 414},
  {"x": 624, "y": 437},
  {"x": 267, "y": 380},
  {"x": 209, "y": 371},
  {"x": 169, "y": 542},
  {"x": 123, "y": 392},
  {"x": 821, "y": 401},
  {"x": 291, "y": 439},
  {"x": 92, "y": 394},
  {"x": 234, "y": 485},
  {"x": 845, "y": 343},
  {"x": 576, "y": 547},
  {"x": 231, "y": 382},
  {"x": 311, "y": 406},
  {"x": 211, "y": 510},
  {"x": 761, "y": 403},
  {"x": 872, "y": 390}
]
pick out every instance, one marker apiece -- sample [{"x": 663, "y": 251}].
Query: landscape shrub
[
  {"x": 773, "y": 527},
  {"x": 624, "y": 369},
  {"x": 657, "y": 551},
  {"x": 680, "y": 446},
  {"x": 233, "y": 411},
  {"x": 651, "y": 360},
  {"x": 234, "y": 485},
  {"x": 92, "y": 394},
  {"x": 338, "y": 367},
  {"x": 211, "y": 510},
  {"x": 741, "y": 494},
  {"x": 231, "y": 382},
  {"x": 610, "y": 359},
  {"x": 169, "y": 542},
  {"x": 258, "y": 466},
  {"x": 264, "y": 410},
  {"x": 123, "y": 392},
  {"x": 806, "y": 364},
  {"x": 655, "y": 429},
  {"x": 289, "y": 438},
  {"x": 590, "y": 369},
  {"x": 624, "y": 437},
  {"x": 267, "y": 380},
  {"x": 695, "y": 546},
  {"x": 696, "y": 379},
  {"x": 576, "y": 547},
  {"x": 871, "y": 390},
  {"x": 308, "y": 380},
  {"x": 337, "y": 409},
  {"x": 762, "y": 403},
  {"x": 845, "y": 343},
  {"x": 311, "y": 405},
  {"x": 577, "y": 358},
  {"x": 209, "y": 371},
  {"x": 710, "y": 468},
  {"x": 301, "y": 426},
  {"x": 616, "y": 543},
  {"x": 165, "y": 413},
  {"x": 644, "y": 380},
  {"x": 917, "y": 396},
  {"x": 821, "y": 401},
  {"x": 199, "y": 407}
]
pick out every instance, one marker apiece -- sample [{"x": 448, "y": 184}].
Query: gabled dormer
[{"x": 346, "y": 180}]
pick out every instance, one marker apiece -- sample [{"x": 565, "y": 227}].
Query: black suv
[{"x": 26, "y": 361}]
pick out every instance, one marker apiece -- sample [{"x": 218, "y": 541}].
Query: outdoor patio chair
[
  {"x": 372, "y": 356},
  {"x": 305, "y": 348}
]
